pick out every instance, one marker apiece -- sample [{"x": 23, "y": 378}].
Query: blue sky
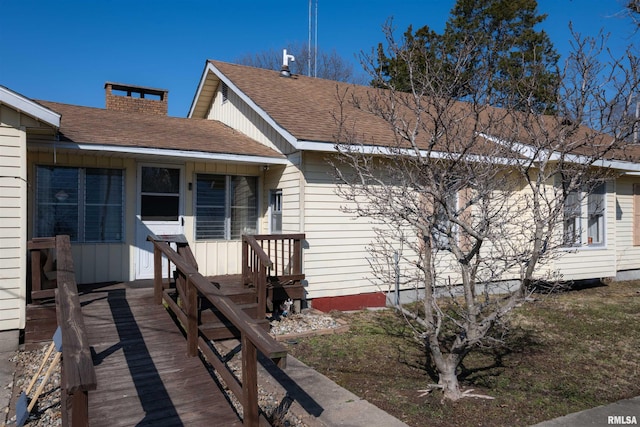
[{"x": 65, "y": 50}]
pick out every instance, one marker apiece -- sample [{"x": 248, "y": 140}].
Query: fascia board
[
  {"x": 262, "y": 113},
  {"x": 196, "y": 97},
  {"x": 572, "y": 158},
  {"x": 29, "y": 107},
  {"x": 182, "y": 154}
]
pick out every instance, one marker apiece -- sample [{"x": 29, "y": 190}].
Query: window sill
[{"x": 595, "y": 247}]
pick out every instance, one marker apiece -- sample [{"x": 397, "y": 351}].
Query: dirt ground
[{"x": 564, "y": 353}]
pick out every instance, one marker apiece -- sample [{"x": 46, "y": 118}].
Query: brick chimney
[{"x": 136, "y": 99}]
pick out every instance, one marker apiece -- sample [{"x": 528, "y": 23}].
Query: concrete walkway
[
  {"x": 320, "y": 402},
  {"x": 624, "y": 412}
]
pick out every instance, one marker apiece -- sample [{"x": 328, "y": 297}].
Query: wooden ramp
[{"x": 143, "y": 372}]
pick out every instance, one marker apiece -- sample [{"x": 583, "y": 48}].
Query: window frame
[
  {"x": 582, "y": 213},
  {"x": 227, "y": 234},
  {"x": 82, "y": 203},
  {"x": 275, "y": 210}
]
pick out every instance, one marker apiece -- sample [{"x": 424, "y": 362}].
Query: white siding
[
  {"x": 335, "y": 262},
  {"x": 95, "y": 262},
  {"x": 234, "y": 112},
  {"x": 627, "y": 255},
  {"x": 13, "y": 225},
  {"x": 596, "y": 261},
  {"x": 215, "y": 257},
  {"x": 103, "y": 262},
  {"x": 290, "y": 180}
]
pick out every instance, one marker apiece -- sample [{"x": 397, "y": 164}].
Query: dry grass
[{"x": 564, "y": 353}]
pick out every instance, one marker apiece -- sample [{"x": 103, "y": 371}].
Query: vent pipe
[{"x": 285, "y": 72}]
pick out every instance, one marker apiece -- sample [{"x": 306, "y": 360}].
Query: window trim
[
  {"x": 82, "y": 204},
  {"x": 227, "y": 206},
  {"x": 583, "y": 211},
  {"x": 274, "y": 196}
]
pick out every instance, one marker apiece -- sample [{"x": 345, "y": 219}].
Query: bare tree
[
  {"x": 472, "y": 199},
  {"x": 328, "y": 65}
]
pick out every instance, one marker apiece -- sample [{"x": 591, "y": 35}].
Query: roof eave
[
  {"x": 261, "y": 112},
  {"x": 25, "y": 105},
  {"x": 162, "y": 152}
]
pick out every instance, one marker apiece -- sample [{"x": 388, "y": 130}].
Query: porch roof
[{"x": 135, "y": 131}]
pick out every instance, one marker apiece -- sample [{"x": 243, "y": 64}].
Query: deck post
[
  {"x": 245, "y": 261},
  {"x": 249, "y": 382},
  {"x": 80, "y": 411},
  {"x": 192, "y": 318},
  {"x": 261, "y": 288},
  {"x": 157, "y": 276},
  {"x": 297, "y": 256}
]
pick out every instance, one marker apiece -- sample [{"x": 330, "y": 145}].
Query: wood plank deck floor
[{"x": 144, "y": 374}]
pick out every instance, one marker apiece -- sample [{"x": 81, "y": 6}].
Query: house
[
  {"x": 19, "y": 118},
  {"x": 251, "y": 157}
]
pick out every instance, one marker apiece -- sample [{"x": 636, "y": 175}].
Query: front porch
[
  {"x": 143, "y": 325},
  {"x": 279, "y": 280}
]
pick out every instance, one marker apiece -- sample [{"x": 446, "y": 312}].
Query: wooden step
[
  {"x": 224, "y": 330},
  {"x": 211, "y": 314},
  {"x": 238, "y": 296}
]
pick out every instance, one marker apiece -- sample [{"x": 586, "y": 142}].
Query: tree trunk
[{"x": 449, "y": 380}]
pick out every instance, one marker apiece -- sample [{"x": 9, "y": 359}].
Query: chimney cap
[{"x": 135, "y": 88}]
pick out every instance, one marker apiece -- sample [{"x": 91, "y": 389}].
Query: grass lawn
[{"x": 564, "y": 353}]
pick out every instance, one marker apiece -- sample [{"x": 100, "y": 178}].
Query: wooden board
[{"x": 144, "y": 374}]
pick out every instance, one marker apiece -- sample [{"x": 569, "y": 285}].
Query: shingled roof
[
  {"x": 305, "y": 107},
  {"x": 309, "y": 110},
  {"x": 87, "y": 125}
]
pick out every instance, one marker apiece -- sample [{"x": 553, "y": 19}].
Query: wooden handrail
[
  {"x": 283, "y": 252},
  {"x": 260, "y": 253},
  {"x": 78, "y": 373},
  {"x": 252, "y": 336}
]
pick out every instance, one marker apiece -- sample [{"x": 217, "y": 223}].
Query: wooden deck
[{"x": 143, "y": 372}]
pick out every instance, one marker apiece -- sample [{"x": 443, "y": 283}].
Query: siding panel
[{"x": 13, "y": 218}]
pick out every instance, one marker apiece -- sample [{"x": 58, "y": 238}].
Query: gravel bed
[
  {"x": 306, "y": 322},
  {"x": 275, "y": 405},
  {"x": 47, "y": 410}
]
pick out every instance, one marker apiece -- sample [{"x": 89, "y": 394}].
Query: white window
[
  {"x": 226, "y": 206},
  {"x": 86, "y": 204},
  {"x": 584, "y": 217},
  {"x": 275, "y": 211}
]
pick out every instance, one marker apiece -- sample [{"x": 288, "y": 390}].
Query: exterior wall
[
  {"x": 627, "y": 255},
  {"x": 234, "y": 112},
  {"x": 94, "y": 262},
  {"x": 216, "y": 257},
  {"x": 597, "y": 261},
  {"x": 291, "y": 181},
  {"x": 102, "y": 262},
  {"x": 335, "y": 262},
  {"x": 13, "y": 226}
]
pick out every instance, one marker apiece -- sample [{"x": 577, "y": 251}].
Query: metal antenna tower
[{"x": 313, "y": 39}]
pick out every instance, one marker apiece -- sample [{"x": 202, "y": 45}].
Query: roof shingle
[{"x": 89, "y": 125}]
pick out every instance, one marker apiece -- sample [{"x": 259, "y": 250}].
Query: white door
[{"x": 159, "y": 212}]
